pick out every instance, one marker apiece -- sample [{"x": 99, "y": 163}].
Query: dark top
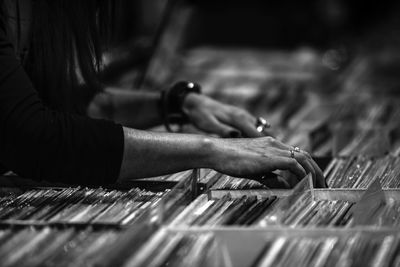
[{"x": 43, "y": 144}]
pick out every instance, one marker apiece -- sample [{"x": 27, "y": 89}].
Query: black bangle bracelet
[{"x": 171, "y": 102}]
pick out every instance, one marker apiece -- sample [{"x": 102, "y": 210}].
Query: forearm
[
  {"x": 136, "y": 109},
  {"x": 149, "y": 154}
]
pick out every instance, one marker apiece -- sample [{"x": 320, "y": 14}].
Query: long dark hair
[{"x": 67, "y": 35}]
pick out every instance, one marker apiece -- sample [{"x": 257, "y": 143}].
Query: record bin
[
  {"x": 244, "y": 246},
  {"x": 335, "y": 207},
  {"x": 113, "y": 241},
  {"x": 40, "y": 204},
  {"x": 247, "y": 246}
]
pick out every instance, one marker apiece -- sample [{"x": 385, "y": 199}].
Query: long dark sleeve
[{"x": 42, "y": 144}]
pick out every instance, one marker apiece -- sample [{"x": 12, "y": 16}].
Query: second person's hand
[{"x": 215, "y": 117}]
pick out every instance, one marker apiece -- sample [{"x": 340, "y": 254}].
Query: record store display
[{"x": 340, "y": 102}]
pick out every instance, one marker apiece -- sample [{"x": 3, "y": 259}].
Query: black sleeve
[{"x": 42, "y": 144}]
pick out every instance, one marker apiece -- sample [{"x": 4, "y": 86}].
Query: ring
[
  {"x": 261, "y": 124},
  {"x": 296, "y": 149},
  {"x": 292, "y": 153}
]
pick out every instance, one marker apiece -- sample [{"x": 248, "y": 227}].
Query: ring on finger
[
  {"x": 292, "y": 153},
  {"x": 261, "y": 124},
  {"x": 296, "y": 149}
]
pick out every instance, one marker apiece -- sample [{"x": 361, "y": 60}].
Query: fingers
[
  {"x": 290, "y": 178},
  {"x": 215, "y": 117},
  {"x": 307, "y": 162},
  {"x": 290, "y": 164},
  {"x": 243, "y": 121},
  {"x": 278, "y": 144},
  {"x": 320, "y": 179},
  {"x": 276, "y": 182},
  {"x": 211, "y": 124},
  {"x": 307, "y": 165}
]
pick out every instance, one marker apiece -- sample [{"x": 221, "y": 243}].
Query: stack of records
[
  {"x": 360, "y": 172},
  {"x": 306, "y": 211},
  {"x": 300, "y": 209},
  {"x": 54, "y": 247},
  {"x": 370, "y": 142},
  {"x": 176, "y": 177},
  {"x": 349, "y": 250},
  {"x": 251, "y": 210},
  {"x": 227, "y": 182},
  {"x": 224, "y": 211},
  {"x": 208, "y": 176},
  {"x": 205, "y": 179},
  {"x": 77, "y": 205},
  {"x": 178, "y": 249}
]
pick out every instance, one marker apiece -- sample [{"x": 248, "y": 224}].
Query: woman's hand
[
  {"x": 149, "y": 154},
  {"x": 214, "y": 117},
  {"x": 255, "y": 157}
]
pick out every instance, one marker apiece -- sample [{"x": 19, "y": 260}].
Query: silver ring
[
  {"x": 296, "y": 149},
  {"x": 261, "y": 124},
  {"x": 291, "y": 153}
]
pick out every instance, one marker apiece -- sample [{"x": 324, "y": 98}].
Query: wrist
[
  {"x": 171, "y": 102},
  {"x": 208, "y": 151},
  {"x": 175, "y": 96},
  {"x": 191, "y": 100}
]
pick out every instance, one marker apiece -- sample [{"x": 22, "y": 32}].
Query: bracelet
[{"x": 171, "y": 103}]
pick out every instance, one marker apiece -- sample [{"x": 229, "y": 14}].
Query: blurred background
[{"x": 325, "y": 73}]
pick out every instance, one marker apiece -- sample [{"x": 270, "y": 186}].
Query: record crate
[
  {"x": 75, "y": 225},
  {"x": 283, "y": 246}
]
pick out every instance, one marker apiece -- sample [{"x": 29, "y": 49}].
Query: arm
[
  {"x": 40, "y": 143},
  {"x": 137, "y": 109},
  {"x": 152, "y": 154}
]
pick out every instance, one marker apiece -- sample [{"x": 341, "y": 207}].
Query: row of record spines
[
  {"x": 37, "y": 245},
  {"x": 69, "y": 199}
]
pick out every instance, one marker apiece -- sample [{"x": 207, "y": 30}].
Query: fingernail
[{"x": 234, "y": 134}]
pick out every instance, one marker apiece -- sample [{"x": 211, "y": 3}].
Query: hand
[
  {"x": 255, "y": 157},
  {"x": 214, "y": 117}
]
